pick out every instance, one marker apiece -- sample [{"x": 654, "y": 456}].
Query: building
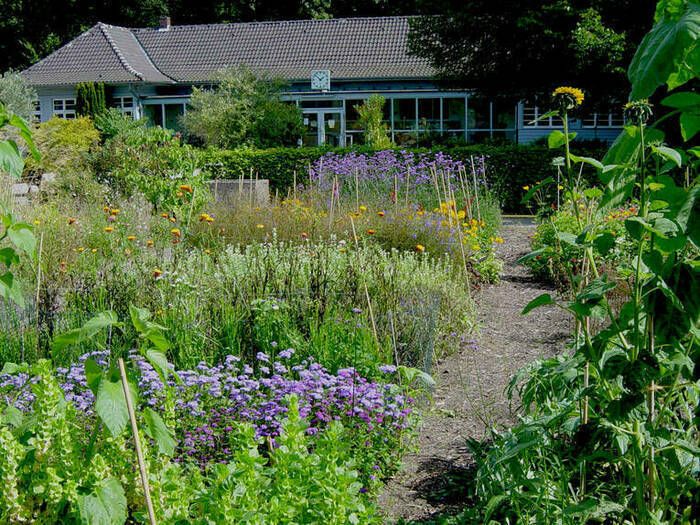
[{"x": 330, "y": 66}]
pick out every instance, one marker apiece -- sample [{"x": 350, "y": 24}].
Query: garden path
[{"x": 470, "y": 395}]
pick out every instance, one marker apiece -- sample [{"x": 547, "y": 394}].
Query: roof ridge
[
  {"x": 281, "y": 22},
  {"x": 117, "y": 51},
  {"x": 145, "y": 53}
]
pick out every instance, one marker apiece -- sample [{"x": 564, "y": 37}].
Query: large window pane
[
  {"x": 173, "y": 112},
  {"x": 503, "y": 115},
  {"x": 429, "y": 113},
  {"x": 405, "y": 113},
  {"x": 153, "y": 114},
  {"x": 351, "y": 114},
  {"x": 479, "y": 113},
  {"x": 453, "y": 113}
]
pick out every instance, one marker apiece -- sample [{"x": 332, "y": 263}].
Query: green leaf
[
  {"x": 110, "y": 405},
  {"x": 588, "y": 160},
  {"x": 89, "y": 330},
  {"x": 93, "y": 374},
  {"x": 13, "y": 368},
  {"x": 26, "y": 134},
  {"x": 535, "y": 188},
  {"x": 11, "y": 159},
  {"x": 595, "y": 290},
  {"x": 531, "y": 255},
  {"x": 492, "y": 506},
  {"x": 690, "y": 125},
  {"x": 105, "y": 506},
  {"x": 10, "y": 289},
  {"x": 12, "y": 416},
  {"x": 8, "y": 256},
  {"x": 568, "y": 238},
  {"x": 160, "y": 362},
  {"x": 604, "y": 243},
  {"x": 662, "y": 53},
  {"x": 682, "y": 100},
  {"x": 22, "y": 237},
  {"x": 556, "y": 139},
  {"x": 538, "y": 301},
  {"x": 157, "y": 430},
  {"x": 669, "y": 154}
]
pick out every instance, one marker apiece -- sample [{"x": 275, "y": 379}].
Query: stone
[
  {"x": 22, "y": 201},
  {"x": 20, "y": 188},
  {"x": 232, "y": 191},
  {"x": 48, "y": 178},
  {"x": 33, "y": 188}
]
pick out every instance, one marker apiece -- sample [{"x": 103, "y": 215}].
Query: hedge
[{"x": 508, "y": 167}]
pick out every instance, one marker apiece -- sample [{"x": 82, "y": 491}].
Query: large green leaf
[
  {"x": 664, "y": 52},
  {"x": 110, "y": 405},
  {"x": 90, "y": 329},
  {"x": 538, "y": 301},
  {"x": 690, "y": 125},
  {"x": 10, "y": 288},
  {"x": 11, "y": 159},
  {"x": 105, "y": 506},
  {"x": 157, "y": 430},
  {"x": 22, "y": 236}
]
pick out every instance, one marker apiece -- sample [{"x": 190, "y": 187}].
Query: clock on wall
[{"x": 321, "y": 79}]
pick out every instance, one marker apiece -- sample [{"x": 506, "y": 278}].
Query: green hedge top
[{"x": 508, "y": 167}]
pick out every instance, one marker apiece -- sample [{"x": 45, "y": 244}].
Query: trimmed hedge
[{"x": 508, "y": 167}]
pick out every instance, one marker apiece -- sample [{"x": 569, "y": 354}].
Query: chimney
[{"x": 164, "y": 23}]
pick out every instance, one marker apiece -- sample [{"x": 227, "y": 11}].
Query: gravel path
[{"x": 470, "y": 395}]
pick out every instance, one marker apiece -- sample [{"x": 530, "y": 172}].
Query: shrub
[
  {"x": 90, "y": 99},
  {"x": 65, "y": 145},
  {"x": 370, "y": 115},
  {"x": 243, "y": 109},
  {"x": 17, "y": 96}
]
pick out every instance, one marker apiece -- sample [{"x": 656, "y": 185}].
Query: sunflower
[{"x": 568, "y": 97}]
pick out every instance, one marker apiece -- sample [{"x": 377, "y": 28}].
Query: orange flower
[
  {"x": 186, "y": 188},
  {"x": 114, "y": 211},
  {"x": 164, "y": 215},
  {"x": 149, "y": 243},
  {"x": 173, "y": 219},
  {"x": 63, "y": 266},
  {"x": 371, "y": 232},
  {"x": 420, "y": 248},
  {"x": 176, "y": 232},
  {"x": 71, "y": 220},
  {"x": 157, "y": 273},
  {"x": 304, "y": 235},
  {"x": 381, "y": 213}
]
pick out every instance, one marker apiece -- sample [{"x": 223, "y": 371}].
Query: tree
[
  {"x": 370, "y": 115},
  {"x": 525, "y": 47},
  {"x": 17, "y": 96},
  {"x": 243, "y": 109},
  {"x": 90, "y": 99}
]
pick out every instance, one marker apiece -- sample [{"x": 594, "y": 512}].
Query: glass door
[{"x": 324, "y": 126}]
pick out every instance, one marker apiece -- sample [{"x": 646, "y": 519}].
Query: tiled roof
[{"x": 352, "y": 48}]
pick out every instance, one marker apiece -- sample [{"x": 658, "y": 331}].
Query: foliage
[
  {"x": 242, "y": 109},
  {"x": 17, "y": 96},
  {"x": 610, "y": 431},
  {"x": 113, "y": 122},
  {"x": 90, "y": 99},
  {"x": 534, "y": 44},
  {"x": 370, "y": 115},
  {"x": 60, "y": 466},
  {"x": 150, "y": 161},
  {"x": 65, "y": 145},
  {"x": 508, "y": 167}
]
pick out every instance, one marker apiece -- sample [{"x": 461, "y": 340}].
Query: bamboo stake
[
  {"x": 476, "y": 189},
  {"x": 369, "y": 302},
  {"x": 357, "y": 191},
  {"x": 38, "y": 290},
  {"x": 295, "y": 185},
  {"x": 137, "y": 443}
]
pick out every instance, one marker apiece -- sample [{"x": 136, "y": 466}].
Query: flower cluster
[{"x": 208, "y": 401}]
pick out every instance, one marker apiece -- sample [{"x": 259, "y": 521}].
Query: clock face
[{"x": 321, "y": 79}]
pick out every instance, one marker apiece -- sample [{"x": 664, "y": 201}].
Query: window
[
  {"x": 64, "y": 107},
  {"x": 604, "y": 120},
  {"x": 429, "y": 113},
  {"x": 36, "y": 114},
  {"x": 479, "y": 110},
  {"x": 404, "y": 113},
  {"x": 124, "y": 104},
  {"x": 453, "y": 114},
  {"x": 533, "y": 113},
  {"x": 351, "y": 114}
]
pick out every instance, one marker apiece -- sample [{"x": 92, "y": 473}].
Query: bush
[
  {"x": 371, "y": 113},
  {"x": 243, "y": 109},
  {"x": 17, "y": 96},
  {"x": 65, "y": 145},
  {"x": 508, "y": 167},
  {"x": 90, "y": 99}
]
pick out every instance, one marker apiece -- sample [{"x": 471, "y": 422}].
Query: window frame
[{"x": 64, "y": 112}]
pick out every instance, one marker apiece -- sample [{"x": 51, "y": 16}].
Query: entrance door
[{"x": 324, "y": 126}]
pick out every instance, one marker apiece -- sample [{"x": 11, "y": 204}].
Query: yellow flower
[
  {"x": 80, "y": 249},
  {"x": 105, "y": 209},
  {"x": 560, "y": 187},
  {"x": 37, "y": 222},
  {"x": 131, "y": 238},
  {"x": 526, "y": 188},
  {"x": 109, "y": 229},
  {"x": 420, "y": 248},
  {"x": 172, "y": 219},
  {"x": 381, "y": 213},
  {"x": 476, "y": 247},
  {"x": 176, "y": 232},
  {"x": 260, "y": 226},
  {"x": 363, "y": 207},
  {"x": 114, "y": 211},
  {"x": 575, "y": 93},
  {"x": 94, "y": 250},
  {"x": 157, "y": 273},
  {"x": 149, "y": 243},
  {"x": 165, "y": 215},
  {"x": 207, "y": 251},
  {"x": 499, "y": 240}
]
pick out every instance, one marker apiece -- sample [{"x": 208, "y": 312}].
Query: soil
[{"x": 470, "y": 397}]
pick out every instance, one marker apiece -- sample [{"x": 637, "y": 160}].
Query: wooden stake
[{"x": 137, "y": 443}]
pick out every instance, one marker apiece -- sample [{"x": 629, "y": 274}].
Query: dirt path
[{"x": 470, "y": 396}]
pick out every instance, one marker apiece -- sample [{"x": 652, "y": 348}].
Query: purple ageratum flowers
[
  {"x": 210, "y": 400},
  {"x": 384, "y": 166}
]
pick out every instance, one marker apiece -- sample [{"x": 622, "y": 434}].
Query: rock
[
  {"x": 33, "y": 188},
  {"x": 48, "y": 178},
  {"x": 20, "y": 188},
  {"x": 22, "y": 201}
]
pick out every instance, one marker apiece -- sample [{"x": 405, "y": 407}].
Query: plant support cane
[{"x": 137, "y": 443}]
